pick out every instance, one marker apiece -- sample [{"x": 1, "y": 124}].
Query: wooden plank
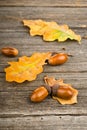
[
  {"x": 58, "y": 3},
  {"x": 66, "y": 68},
  {"x": 44, "y": 123},
  {"x": 23, "y": 32},
  {"x": 78, "y": 80},
  {"x": 18, "y": 102},
  {"x": 28, "y": 45},
  {"x": 74, "y": 17}
]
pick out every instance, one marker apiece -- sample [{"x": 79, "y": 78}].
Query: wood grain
[
  {"x": 17, "y": 112},
  {"x": 78, "y": 80},
  {"x": 10, "y": 18},
  {"x": 18, "y": 102},
  {"x": 44, "y": 123},
  {"x": 28, "y": 45},
  {"x": 58, "y": 3}
]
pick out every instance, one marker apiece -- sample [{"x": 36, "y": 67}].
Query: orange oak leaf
[
  {"x": 52, "y": 82},
  {"x": 27, "y": 68},
  {"x": 51, "y": 30}
]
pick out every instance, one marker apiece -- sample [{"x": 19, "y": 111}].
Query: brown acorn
[
  {"x": 58, "y": 59},
  {"x": 63, "y": 92},
  {"x": 39, "y": 94},
  {"x": 9, "y": 51}
]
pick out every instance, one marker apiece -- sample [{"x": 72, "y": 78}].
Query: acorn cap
[{"x": 54, "y": 89}]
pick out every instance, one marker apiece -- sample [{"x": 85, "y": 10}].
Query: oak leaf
[
  {"x": 51, "y": 30},
  {"x": 51, "y": 82},
  {"x": 27, "y": 68}
]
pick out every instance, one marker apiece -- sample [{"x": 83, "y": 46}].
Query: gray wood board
[
  {"x": 44, "y": 123},
  {"x": 18, "y": 102},
  {"x": 28, "y": 45},
  {"x": 58, "y": 3},
  {"x": 11, "y": 17}
]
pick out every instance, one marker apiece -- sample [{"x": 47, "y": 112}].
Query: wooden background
[{"x": 17, "y": 112}]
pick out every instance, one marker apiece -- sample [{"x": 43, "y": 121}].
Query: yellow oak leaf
[
  {"x": 27, "y": 68},
  {"x": 51, "y": 30},
  {"x": 52, "y": 82},
  {"x": 38, "y": 27}
]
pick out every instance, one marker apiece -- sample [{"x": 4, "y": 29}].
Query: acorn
[
  {"x": 40, "y": 93},
  {"x": 57, "y": 59},
  {"x": 63, "y": 92},
  {"x": 9, "y": 51}
]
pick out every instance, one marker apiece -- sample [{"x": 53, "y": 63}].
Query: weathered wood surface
[
  {"x": 9, "y": 16},
  {"x": 17, "y": 112},
  {"x": 44, "y": 122},
  {"x": 58, "y": 3}
]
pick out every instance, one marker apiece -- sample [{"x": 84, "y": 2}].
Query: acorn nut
[
  {"x": 58, "y": 59},
  {"x": 63, "y": 92},
  {"x": 9, "y": 51},
  {"x": 39, "y": 94}
]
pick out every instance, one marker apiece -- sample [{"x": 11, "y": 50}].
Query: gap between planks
[{"x": 45, "y": 115}]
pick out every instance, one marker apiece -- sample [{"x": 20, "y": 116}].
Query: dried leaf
[
  {"x": 51, "y": 81},
  {"x": 51, "y": 30},
  {"x": 27, "y": 68}
]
